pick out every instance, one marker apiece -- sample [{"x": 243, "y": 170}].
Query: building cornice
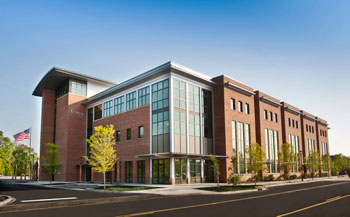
[
  {"x": 269, "y": 101},
  {"x": 239, "y": 89},
  {"x": 292, "y": 110},
  {"x": 309, "y": 117}
]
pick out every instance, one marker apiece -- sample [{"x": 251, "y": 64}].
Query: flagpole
[{"x": 30, "y": 147}]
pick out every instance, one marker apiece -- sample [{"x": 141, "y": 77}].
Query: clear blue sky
[{"x": 297, "y": 51}]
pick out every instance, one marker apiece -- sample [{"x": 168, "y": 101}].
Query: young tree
[
  {"x": 51, "y": 160},
  {"x": 234, "y": 179},
  {"x": 6, "y": 157},
  {"x": 103, "y": 154},
  {"x": 287, "y": 159},
  {"x": 313, "y": 162},
  {"x": 326, "y": 163},
  {"x": 256, "y": 156},
  {"x": 216, "y": 168},
  {"x": 21, "y": 157}
]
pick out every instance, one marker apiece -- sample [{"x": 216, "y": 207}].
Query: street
[{"x": 326, "y": 198}]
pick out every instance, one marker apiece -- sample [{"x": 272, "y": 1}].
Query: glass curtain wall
[
  {"x": 271, "y": 141},
  {"x": 207, "y": 122},
  {"x": 180, "y": 131},
  {"x": 194, "y": 116},
  {"x": 161, "y": 171},
  {"x": 160, "y": 117},
  {"x": 180, "y": 171}
]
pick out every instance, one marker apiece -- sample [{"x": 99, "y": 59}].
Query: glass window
[
  {"x": 130, "y": 101},
  {"x": 78, "y": 87},
  {"x": 271, "y": 116},
  {"x": 98, "y": 112},
  {"x": 179, "y": 94},
  {"x": 141, "y": 132},
  {"x": 207, "y": 123},
  {"x": 143, "y": 96},
  {"x": 233, "y": 104},
  {"x": 160, "y": 117},
  {"x": 241, "y": 151},
  {"x": 128, "y": 172},
  {"x": 128, "y": 134},
  {"x": 296, "y": 124},
  {"x": 276, "y": 118},
  {"x": 63, "y": 89},
  {"x": 247, "y": 109},
  {"x": 108, "y": 108},
  {"x": 293, "y": 123},
  {"x": 265, "y": 114},
  {"x": 289, "y": 122},
  {"x": 118, "y": 136},
  {"x": 247, "y": 138},
  {"x": 240, "y": 106},
  {"x": 141, "y": 171},
  {"x": 119, "y": 105},
  {"x": 193, "y": 98},
  {"x": 234, "y": 145}
]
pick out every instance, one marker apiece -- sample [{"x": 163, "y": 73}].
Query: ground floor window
[
  {"x": 128, "y": 172},
  {"x": 195, "y": 171},
  {"x": 141, "y": 171},
  {"x": 161, "y": 171},
  {"x": 180, "y": 171}
]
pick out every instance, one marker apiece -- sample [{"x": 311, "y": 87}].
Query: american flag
[{"x": 22, "y": 135}]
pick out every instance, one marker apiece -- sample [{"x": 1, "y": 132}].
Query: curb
[
  {"x": 47, "y": 205},
  {"x": 8, "y": 200}
]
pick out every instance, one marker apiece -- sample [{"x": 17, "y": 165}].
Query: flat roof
[{"x": 55, "y": 76}]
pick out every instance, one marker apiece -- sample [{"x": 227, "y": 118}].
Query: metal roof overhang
[
  {"x": 239, "y": 89},
  {"x": 269, "y": 101},
  {"x": 55, "y": 76},
  {"x": 178, "y": 155},
  {"x": 292, "y": 110}
]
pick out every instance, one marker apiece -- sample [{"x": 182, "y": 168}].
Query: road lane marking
[
  {"x": 226, "y": 201},
  {"x": 49, "y": 199},
  {"x": 315, "y": 205}
]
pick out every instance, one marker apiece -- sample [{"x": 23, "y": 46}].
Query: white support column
[
  {"x": 188, "y": 171},
  {"x": 172, "y": 171},
  {"x": 187, "y": 122},
  {"x": 202, "y": 170},
  {"x": 171, "y": 113},
  {"x": 150, "y": 171}
]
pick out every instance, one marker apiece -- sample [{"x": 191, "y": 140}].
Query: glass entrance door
[
  {"x": 161, "y": 171},
  {"x": 180, "y": 171}
]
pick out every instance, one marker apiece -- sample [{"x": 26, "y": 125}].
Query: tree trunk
[{"x": 104, "y": 180}]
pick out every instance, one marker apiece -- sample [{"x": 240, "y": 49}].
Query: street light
[{"x": 301, "y": 165}]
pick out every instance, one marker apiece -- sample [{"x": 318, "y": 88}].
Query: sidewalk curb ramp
[
  {"x": 8, "y": 200},
  {"x": 57, "y": 204}
]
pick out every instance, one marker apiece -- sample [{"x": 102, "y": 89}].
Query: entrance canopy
[{"x": 178, "y": 155}]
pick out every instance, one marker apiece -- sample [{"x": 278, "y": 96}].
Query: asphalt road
[
  {"x": 309, "y": 199},
  {"x": 29, "y": 192}
]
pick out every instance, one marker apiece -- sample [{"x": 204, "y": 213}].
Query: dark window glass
[
  {"x": 296, "y": 124},
  {"x": 108, "y": 108},
  {"x": 141, "y": 171},
  {"x": 271, "y": 116},
  {"x": 233, "y": 104},
  {"x": 247, "y": 111},
  {"x": 98, "y": 112},
  {"x": 119, "y": 105},
  {"x": 307, "y": 128},
  {"x": 128, "y": 134},
  {"x": 130, "y": 101},
  {"x": 128, "y": 172},
  {"x": 63, "y": 89},
  {"x": 289, "y": 122},
  {"x": 118, "y": 136},
  {"x": 240, "y": 106},
  {"x": 293, "y": 123},
  {"x": 141, "y": 132},
  {"x": 276, "y": 118},
  {"x": 161, "y": 171},
  {"x": 265, "y": 114},
  {"x": 143, "y": 95}
]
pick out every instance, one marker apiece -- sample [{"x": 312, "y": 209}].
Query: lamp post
[{"x": 301, "y": 165}]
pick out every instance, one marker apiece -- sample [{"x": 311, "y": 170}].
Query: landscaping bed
[
  {"x": 123, "y": 188},
  {"x": 227, "y": 188}
]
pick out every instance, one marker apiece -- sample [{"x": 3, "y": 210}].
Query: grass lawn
[
  {"x": 124, "y": 188},
  {"x": 231, "y": 188}
]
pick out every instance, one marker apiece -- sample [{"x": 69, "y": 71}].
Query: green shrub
[
  {"x": 269, "y": 177},
  {"x": 234, "y": 180},
  {"x": 285, "y": 176},
  {"x": 293, "y": 176},
  {"x": 257, "y": 178}
]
